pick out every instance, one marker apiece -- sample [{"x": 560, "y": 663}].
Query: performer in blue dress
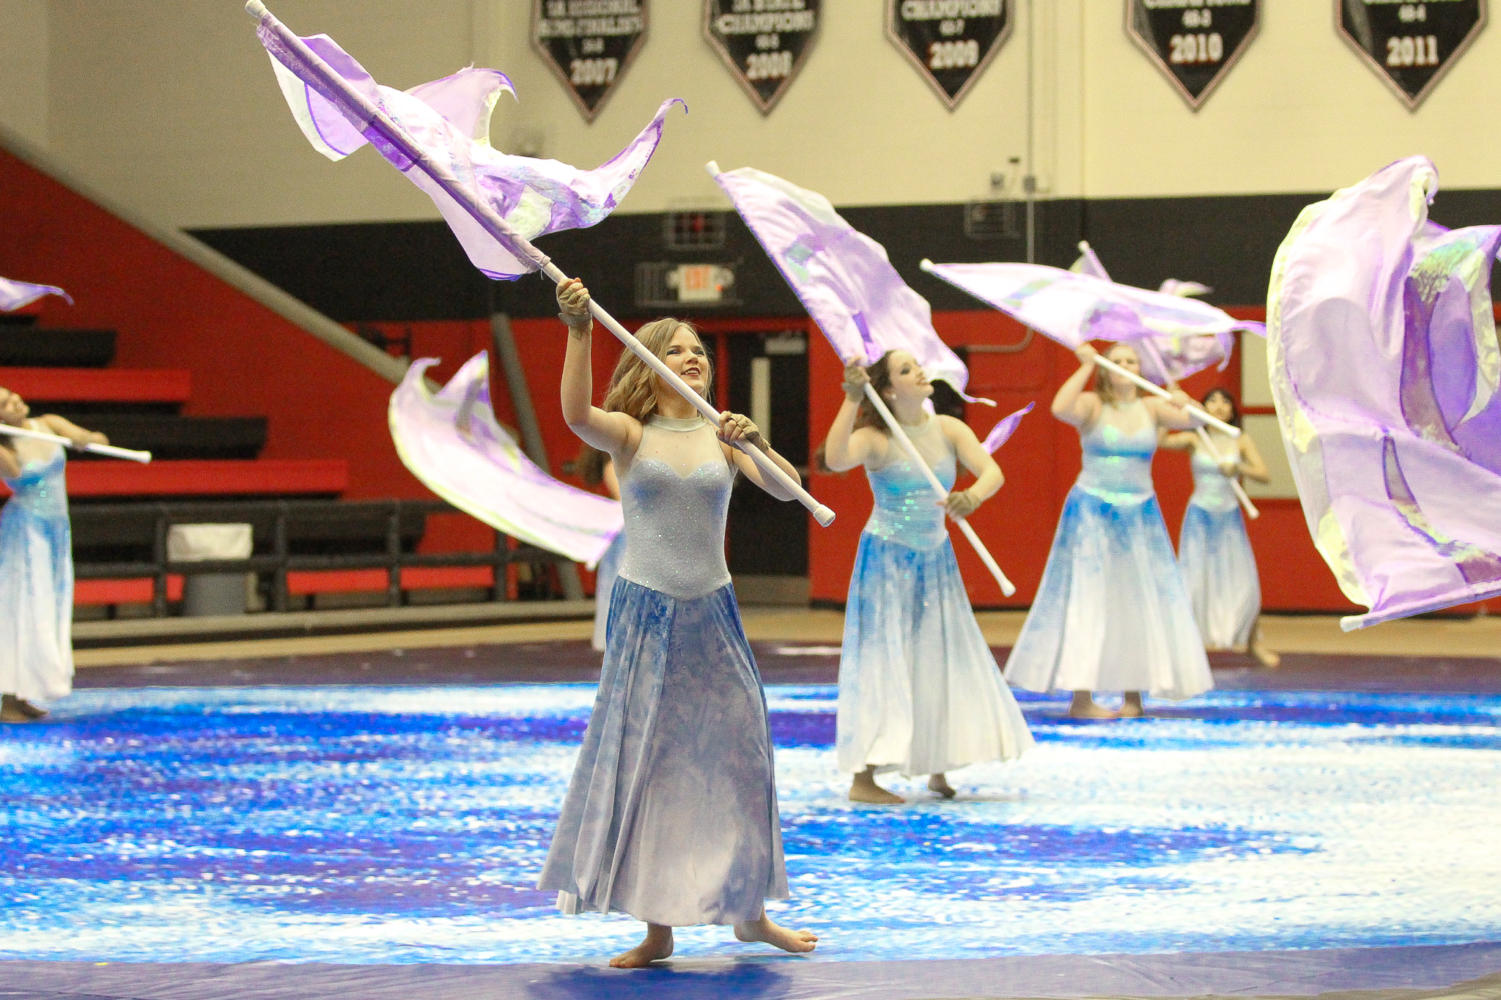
[
  {"x": 671, "y": 815},
  {"x": 1112, "y": 613},
  {"x": 919, "y": 689},
  {"x": 1214, "y": 551},
  {"x": 36, "y": 563}
]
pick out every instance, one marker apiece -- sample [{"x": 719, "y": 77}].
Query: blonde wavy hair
[
  {"x": 1102, "y": 384},
  {"x": 633, "y": 386}
]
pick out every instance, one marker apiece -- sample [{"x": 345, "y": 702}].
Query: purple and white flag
[
  {"x": 1005, "y": 427},
  {"x": 1385, "y": 371},
  {"x": 451, "y": 441},
  {"x": 340, "y": 108},
  {"x": 15, "y": 294},
  {"x": 842, "y": 277},
  {"x": 1165, "y": 360}
]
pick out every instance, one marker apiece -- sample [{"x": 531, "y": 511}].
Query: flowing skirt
[
  {"x": 1112, "y": 613},
  {"x": 36, "y": 604},
  {"x": 671, "y": 815},
  {"x": 604, "y": 586},
  {"x": 1220, "y": 572},
  {"x": 919, "y": 689}
]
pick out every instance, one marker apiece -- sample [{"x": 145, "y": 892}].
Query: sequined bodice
[
  {"x": 1212, "y": 490},
  {"x": 906, "y": 508},
  {"x": 674, "y": 493},
  {"x": 41, "y": 488},
  {"x": 1118, "y": 451}
]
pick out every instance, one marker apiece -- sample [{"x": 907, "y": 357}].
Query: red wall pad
[{"x": 98, "y": 385}]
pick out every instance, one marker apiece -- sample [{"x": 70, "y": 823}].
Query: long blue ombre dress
[
  {"x": 671, "y": 815},
  {"x": 36, "y": 577},
  {"x": 919, "y": 689},
  {"x": 1112, "y": 613},
  {"x": 1215, "y": 556}
]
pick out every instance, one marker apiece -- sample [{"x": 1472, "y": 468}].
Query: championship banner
[
  {"x": 949, "y": 41},
  {"x": 1410, "y": 45},
  {"x": 1193, "y": 42},
  {"x": 763, "y": 42},
  {"x": 588, "y": 44}
]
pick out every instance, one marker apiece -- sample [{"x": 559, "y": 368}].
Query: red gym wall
[{"x": 247, "y": 360}]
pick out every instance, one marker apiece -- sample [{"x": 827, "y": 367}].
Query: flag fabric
[
  {"x": 842, "y": 277},
  {"x": 1005, "y": 427},
  {"x": 1168, "y": 359},
  {"x": 1385, "y": 371},
  {"x": 451, "y": 441},
  {"x": 448, "y": 120},
  {"x": 15, "y": 294},
  {"x": 1074, "y": 308}
]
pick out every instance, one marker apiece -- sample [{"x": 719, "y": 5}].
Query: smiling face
[
  {"x": 685, "y": 356},
  {"x": 908, "y": 382},
  {"x": 13, "y": 409}
]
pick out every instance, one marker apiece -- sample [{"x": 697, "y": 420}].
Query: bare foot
[
  {"x": 1131, "y": 707},
  {"x": 864, "y": 789},
  {"x": 1085, "y": 707},
  {"x": 656, "y": 946},
  {"x": 940, "y": 784},
  {"x": 776, "y": 935},
  {"x": 10, "y": 710},
  {"x": 1266, "y": 657}
]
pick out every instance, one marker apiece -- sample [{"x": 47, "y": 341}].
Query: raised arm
[
  {"x": 1177, "y": 441},
  {"x": 974, "y": 457},
  {"x": 846, "y": 447},
  {"x": 1251, "y": 465},
  {"x": 737, "y": 427},
  {"x": 1072, "y": 403},
  {"x": 1172, "y": 414},
  {"x": 613, "y": 433},
  {"x": 54, "y": 424}
]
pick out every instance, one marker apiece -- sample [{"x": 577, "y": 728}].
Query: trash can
[{"x": 210, "y": 593}]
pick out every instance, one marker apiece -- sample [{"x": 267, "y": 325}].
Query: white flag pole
[
  {"x": 905, "y": 443},
  {"x": 1204, "y": 440},
  {"x": 108, "y": 450},
  {"x": 498, "y": 228}
]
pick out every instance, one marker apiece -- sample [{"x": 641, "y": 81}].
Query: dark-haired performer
[{"x": 1213, "y": 549}]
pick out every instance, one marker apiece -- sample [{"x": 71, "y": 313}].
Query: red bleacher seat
[
  {"x": 104, "y": 385},
  {"x": 134, "y": 591}
]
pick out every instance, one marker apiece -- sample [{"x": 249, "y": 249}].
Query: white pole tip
[
  {"x": 823, "y": 515},
  {"x": 255, "y": 8},
  {"x": 712, "y": 167},
  {"x": 925, "y": 264}
]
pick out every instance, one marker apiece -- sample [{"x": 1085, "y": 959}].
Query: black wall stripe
[{"x": 416, "y": 270}]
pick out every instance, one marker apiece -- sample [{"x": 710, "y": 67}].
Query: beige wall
[
  {"x": 24, "y": 46},
  {"x": 169, "y": 107}
]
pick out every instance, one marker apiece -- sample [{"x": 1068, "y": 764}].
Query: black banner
[
  {"x": 764, "y": 42},
  {"x": 1193, "y": 42},
  {"x": 588, "y": 44},
  {"x": 1411, "y": 45},
  {"x": 950, "y": 41}
]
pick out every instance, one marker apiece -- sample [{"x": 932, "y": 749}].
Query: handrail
[{"x": 280, "y": 561}]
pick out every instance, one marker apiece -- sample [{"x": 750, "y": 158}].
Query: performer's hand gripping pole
[
  {"x": 513, "y": 241},
  {"x": 107, "y": 450},
  {"x": 905, "y": 443}
]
